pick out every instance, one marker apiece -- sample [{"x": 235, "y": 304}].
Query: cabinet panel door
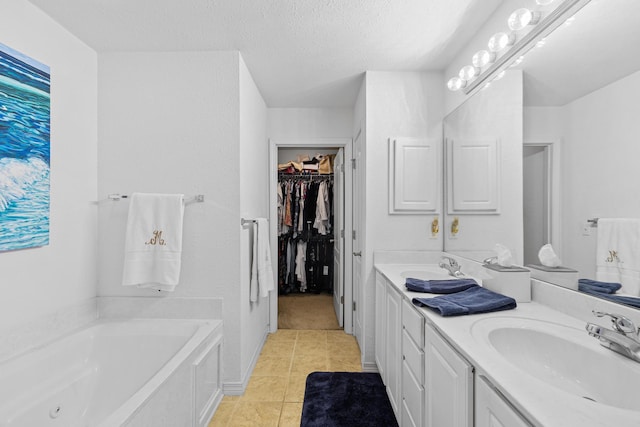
[
  {"x": 492, "y": 410},
  {"x": 412, "y": 398},
  {"x": 473, "y": 176},
  {"x": 414, "y": 175},
  {"x": 393, "y": 348},
  {"x": 448, "y": 384},
  {"x": 381, "y": 322}
]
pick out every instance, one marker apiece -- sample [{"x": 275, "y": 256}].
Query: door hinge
[
  {"x": 354, "y": 306},
  {"x": 342, "y": 233},
  {"x": 342, "y": 299},
  {"x": 353, "y": 163},
  {"x": 353, "y": 234},
  {"x": 342, "y": 168}
]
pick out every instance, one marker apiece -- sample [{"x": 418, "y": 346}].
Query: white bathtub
[{"x": 152, "y": 372}]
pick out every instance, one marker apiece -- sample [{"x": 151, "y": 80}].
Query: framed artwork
[{"x": 25, "y": 119}]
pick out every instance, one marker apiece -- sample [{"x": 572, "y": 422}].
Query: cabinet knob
[{"x": 403, "y": 357}]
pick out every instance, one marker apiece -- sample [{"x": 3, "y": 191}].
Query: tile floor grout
[{"x": 275, "y": 391}]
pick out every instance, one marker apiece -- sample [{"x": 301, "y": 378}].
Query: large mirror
[{"x": 581, "y": 129}]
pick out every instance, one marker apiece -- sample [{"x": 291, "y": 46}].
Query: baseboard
[
  {"x": 237, "y": 388},
  {"x": 369, "y": 367}
]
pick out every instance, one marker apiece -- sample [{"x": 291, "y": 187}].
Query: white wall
[
  {"x": 41, "y": 281},
  {"x": 306, "y": 123},
  {"x": 171, "y": 122},
  {"x": 398, "y": 104},
  {"x": 600, "y": 166},
  {"x": 254, "y": 203}
]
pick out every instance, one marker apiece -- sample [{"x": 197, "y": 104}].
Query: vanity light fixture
[
  {"x": 456, "y": 83},
  {"x": 504, "y": 48},
  {"x": 482, "y": 58},
  {"x": 522, "y": 17},
  {"x": 468, "y": 72},
  {"x": 500, "y": 41}
]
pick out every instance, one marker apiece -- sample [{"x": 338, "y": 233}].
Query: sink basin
[{"x": 563, "y": 357}]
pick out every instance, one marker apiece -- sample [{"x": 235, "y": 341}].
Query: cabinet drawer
[
  {"x": 413, "y": 323},
  {"x": 412, "y": 397},
  {"x": 413, "y": 356}
]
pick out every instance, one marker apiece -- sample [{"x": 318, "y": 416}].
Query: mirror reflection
[{"x": 580, "y": 150}]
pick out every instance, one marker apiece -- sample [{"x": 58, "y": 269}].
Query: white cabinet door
[
  {"x": 393, "y": 342},
  {"x": 381, "y": 324},
  {"x": 448, "y": 384},
  {"x": 414, "y": 175},
  {"x": 492, "y": 410}
]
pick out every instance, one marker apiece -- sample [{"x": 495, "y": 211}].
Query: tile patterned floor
[{"x": 275, "y": 391}]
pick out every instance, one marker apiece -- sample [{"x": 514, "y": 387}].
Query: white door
[
  {"x": 338, "y": 236},
  {"x": 357, "y": 172}
]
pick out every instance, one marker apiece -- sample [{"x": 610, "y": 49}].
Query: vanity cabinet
[
  {"x": 492, "y": 410},
  {"x": 448, "y": 384},
  {"x": 388, "y": 339},
  {"x": 381, "y": 325},
  {"x": 427, "y": 382},
  {"x": 412, "y": 366},
  {"x": 393, "y": 345}
]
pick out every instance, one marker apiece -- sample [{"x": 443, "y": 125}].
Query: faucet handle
[{"x": 620, "y": 323}]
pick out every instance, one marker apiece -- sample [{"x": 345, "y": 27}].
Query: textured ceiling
[{"x": 301, "y": 53}]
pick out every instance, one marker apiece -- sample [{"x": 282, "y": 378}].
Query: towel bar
[
  {"x": 247, "y": 221},
  {"x": 199, "y": 198}
]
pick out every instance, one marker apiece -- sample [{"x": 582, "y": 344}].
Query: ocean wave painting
[{"x": 25, "y": 119}]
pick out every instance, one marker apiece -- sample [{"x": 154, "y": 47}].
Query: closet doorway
[
  {"x": 313, "y": 275},
  {"x": 537, "y": 191}
]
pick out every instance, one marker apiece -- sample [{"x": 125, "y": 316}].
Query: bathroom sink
[{"x": 563, "y": 357}]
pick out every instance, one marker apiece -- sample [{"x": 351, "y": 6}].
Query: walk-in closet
[{"x": 310, "y": 214}]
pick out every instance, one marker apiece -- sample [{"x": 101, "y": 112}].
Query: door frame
[{"x": 347, "y": 145}]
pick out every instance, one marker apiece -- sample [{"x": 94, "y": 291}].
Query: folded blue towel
[
  {"x": 470, "y": 301},
  {"x": 440, "y": 286},
  {"x": 589, "y": 285}
]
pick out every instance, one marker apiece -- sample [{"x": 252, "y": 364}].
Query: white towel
[
  {"x": 265, "y": 269},
  {"x": 153, "y": 243},
  {"x": 253, "y": 286},
  {"x": 618, "y": 253}
]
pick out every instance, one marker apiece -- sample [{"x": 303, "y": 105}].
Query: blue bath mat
[{"x": 346, "y": 399}]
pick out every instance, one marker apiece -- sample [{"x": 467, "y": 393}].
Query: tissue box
[
  {"x": 562, "y": 276},
  {"x": 513, "y": 281}
]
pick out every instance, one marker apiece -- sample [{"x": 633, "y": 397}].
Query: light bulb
[
  {"x": 456, "y": 83},
  {"x": 482, "y": 58},
  {"x": 521, "y": 18},
  {"x": 499, "y": 41},
  {"x": 544, "y": 2},
  {"x": 468, "y": 72}
]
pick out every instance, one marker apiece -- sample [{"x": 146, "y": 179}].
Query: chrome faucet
[
  {"x": 623, "y": 339},
  {"x": 451, "y": 265}
]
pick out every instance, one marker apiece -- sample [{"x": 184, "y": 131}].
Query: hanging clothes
[{"x": 305, "y": 223}]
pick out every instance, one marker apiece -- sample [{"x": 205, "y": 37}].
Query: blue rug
[{"x": 346, "y": 399}]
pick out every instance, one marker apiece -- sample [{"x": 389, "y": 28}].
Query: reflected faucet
[
  {"x": 451, "y": 265},
  {"x": 623, "y": 339}
]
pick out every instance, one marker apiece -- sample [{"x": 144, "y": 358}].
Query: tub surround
[
  {"x": 17, "y": 339},
  {"x": 540, "y": 403}
]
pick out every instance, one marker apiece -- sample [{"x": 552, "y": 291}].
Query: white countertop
[{"x": 542, "y": 404}]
